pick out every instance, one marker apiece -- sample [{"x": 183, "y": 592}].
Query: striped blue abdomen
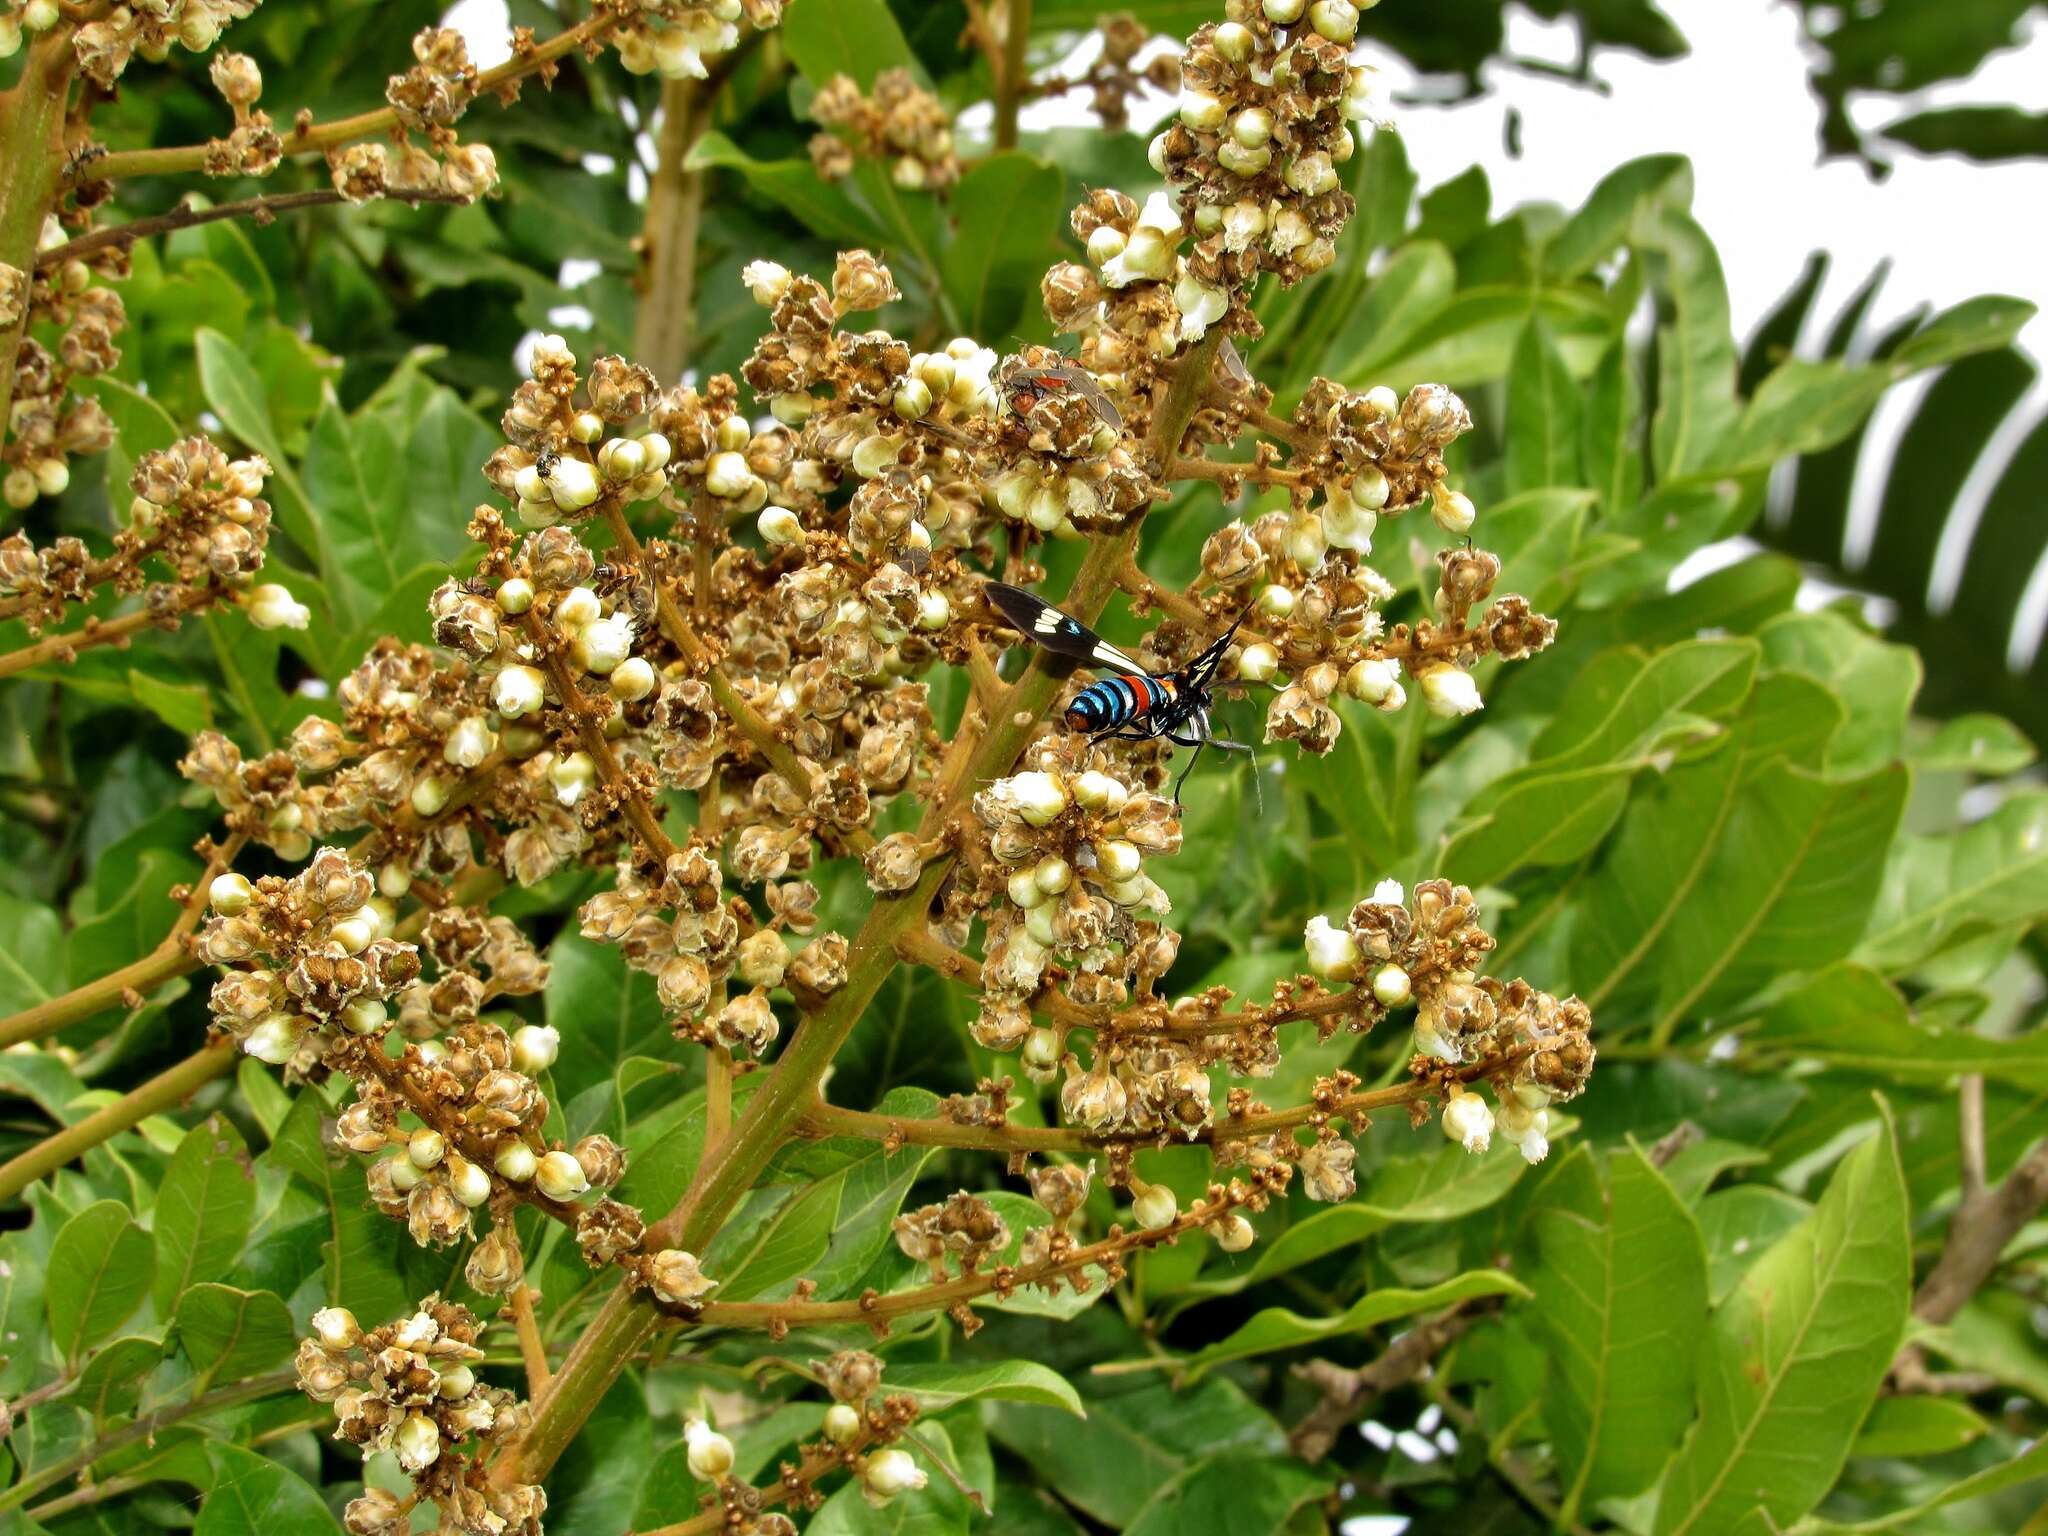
[{"x": 1115, "y": 701}]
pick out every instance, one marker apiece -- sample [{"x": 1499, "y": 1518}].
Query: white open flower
[
  {"x": 1347, "y": 524},
  {"x": 518, "y": 691},
  {"x": 888, "y": 1472},
  {"x": 271, "y": 606},
  {"x": 710, "y": 1453},
  {"x": 1200, "y": 305},
  {"x": 1449, "y": 690},
  {"x": 1468, "y": 1121},
  {"x": 768, "y": 281}
]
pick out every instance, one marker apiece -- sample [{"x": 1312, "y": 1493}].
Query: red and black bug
[
  {"x": 1025, "y": 385},
  {"x": 1131, "y": 704}
]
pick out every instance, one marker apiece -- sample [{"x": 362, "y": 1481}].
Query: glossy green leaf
[
  {"x": 1795, "y": 1356},
  {"x": 848, "y": 37},
  {"x": 1281, "y": 1328},
  {"x": 252, "y": 1495},
  {"x": 1544, "y": 414},
  {"x": 1739, "y": 1226},
  {"x": 1005, "y": 214},
  {"x": 1621, "y": 1296},
  {"x": 1937, "y": 888},
  {"x": 1980, "y": 744},
  {"x": 1696, "y": 409},
  {"x": 229, "y": 1334},
  {"x": 2030, "y": 1466},
  {"x": 100, "y": 1270},
  {"x": 1918, "y": 1426},
  {"x": 1230, "y": 1495},
  {"x": 939, "y": 1387},
  {"x": 204, "y": 1209},
  {"x": 1852, "y": 1019}
]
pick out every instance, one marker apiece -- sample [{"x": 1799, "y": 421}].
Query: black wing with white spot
[
  {"x": 1198, "y": 674},
  {"x": 1056, "y": 631}
]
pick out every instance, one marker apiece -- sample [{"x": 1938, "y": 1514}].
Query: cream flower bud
[
  {"x": 534, "y": 1048},
  {"x": 600, "y": 646},
  {"x": 1252, "y": 127},
  {"x": 1147, "y": 255},
  {"x": 40, "y": 15},
  {"x": 912, "y": 400},
  {"x": 402, "y": 1171},
  {"x": 1310, "y": 174},
  {"x": 518, "y": 691},
  {"x": 1053, "y": 874},
  {"x": 1336, "y": 20},
  {"x": 1372, "y": 679},
  {"x": 622, "y": 459},
  {"x": 1390, "y": 984},
  {"x": 336, "y": 1327},
  {"x": 1039, "y": 797},
  {"x": 1467, "y": 1121},
  {"x": 1117, "y": 859},
  {"x": 515, "y": 1161},
  {"x": 727, "y": 475},
  {"x": 365, "y": 1016},
  {"x": 515, "y": 596},
  {"x": 888, "y": 1472},
  {"x": 560, "y": 1177},
  {"x": 578, "y": 606},
  {"x": 573, "y": 484},
  {"x": 356, "y": 934},
  {"x": 429, "y": 797},
  {"x": 1276, "y": 601},
  {"x": 271, "y": 606},
  {"x": 1233, "y": 1233},
  {"x": 1234, "y": 41},
  {"x": 843, "y": 1424},
  {"x": 469, "y": 743},
  {"x": 1155, "y": 1207},
  {"x": 528, "y": 485},
  {"x": 632, "y": 679},
  {"x": 454, "y": 1382},
  {"x": 934, "y": 611},
  {"x": 230, "y": 894},
  {"x": 1024, "y": 890},
  {"x": 1038, "y": 926},
  {"x": 1041, "y": 1049},
  {"x": 571, "y": 776},
  {"x": 768, "y": 281},
  {"x": 1449, "y": 690},
  {"x": 1283, "y": 12},
  {"x": 418, "y": 1443},
  {"x": 426, "y": 1148},
  {"x": 1332, "y": 952},
  {"x": 276, "y": 1039},
  {"x": 1095, "y": 791},
  {"x": 1201, "y": 112},
  {"x": 656, "y": 448},
  {"x": 1240, "y": 161},
  {"x": 1258, "y": 662},
  {"x": 779, "y": 525},
  {"x": 710, "y": 1453},
  {"x": 875, "y": 453},
  {"x": 586, "y": 426},
  {"x": 1452, "y": 510},
  {"x": 1106, "y": 243},
  {"x": 1526, "y": 1127}
]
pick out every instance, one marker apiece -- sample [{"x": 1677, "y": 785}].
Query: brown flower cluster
[
  {"x": 898, "y": 121},
  {"x": 106, "y": 45},
  {"x": 411, "y": 1388},
  {"x": 198, "y": 519},
  {"x": 48, "y": 425},
  {"x": 429, "y": 99},
  {"x": 674, "y": 38}
]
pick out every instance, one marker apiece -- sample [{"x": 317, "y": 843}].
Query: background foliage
[{"x": 1796, "y": 865}]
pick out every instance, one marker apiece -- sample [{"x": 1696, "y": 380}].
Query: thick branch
[
  {"x": 1011, "y": 79},
  {"x": 1982, "y": 1227},
  {"x": 668, "y": 237}
]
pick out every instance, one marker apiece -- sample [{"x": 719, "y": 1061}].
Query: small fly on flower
[{"x": 1132, "y": 704}]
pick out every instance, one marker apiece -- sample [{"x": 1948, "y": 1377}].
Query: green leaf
[
  {"x": 1937, "y": 889},
  {"x": 1739, "y": 1225},
  {"x": 1977, "y": 325},
  {"x": 204, "y": 1209},
  {"x": 1621, "y": 1295},
  {"x": 1005, "y": 212},
  {"x": 1984, "y": 133},
  {"x": 110, "y": 1381},
  {"x": 1635, "y": 191},
  {"x": 358, "y": 1247},
  {"x": 230, "y": 1334},
  {"x": 939, "y": 1387},
  {"x": 1979, "y": 744},
  {"x": 1918, "y": 1426},
  {"x": 848, "y": 37},
  {"x": 31, "y": 950},
  {"x": 1134, "y": 1440},
  {"x": 186, "y": 708},
  {"x": 1613, "y": 453},
  {"x": 252, "y": 1495},
  {"x": 1543, "y": 425},
  {"x": 1874, "y": 679},
  {"x": 605, "y": 1011},
  {"x": 1795, "y": 1356},
  {"x": 1852, "y": 1019},
  {"x": 100, "y": 1269},
  {"x": 1278, "y": 1328},
  {"x": 1696, "y": 406},
  {"x": 822, "y": 206},
  {"x": 1231, "y": 1495},
  {"x": 2029, "y": 1466}
]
